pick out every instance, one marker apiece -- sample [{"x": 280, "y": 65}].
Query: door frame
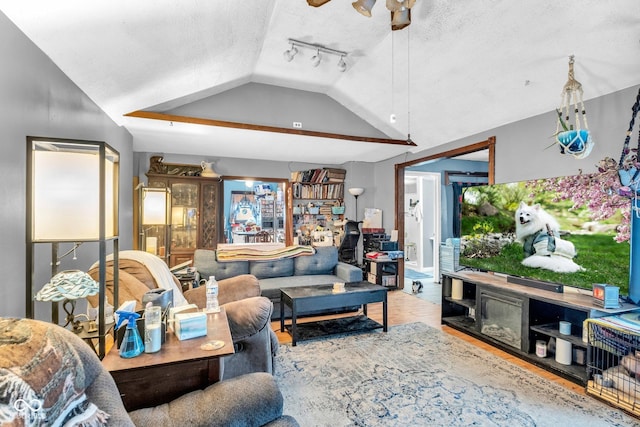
[
  {"x": 488, "y": 144},
  {"x": 435, "y": 208}
]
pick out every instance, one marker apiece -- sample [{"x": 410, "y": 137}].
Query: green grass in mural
[{"x": 603, "y": 263}]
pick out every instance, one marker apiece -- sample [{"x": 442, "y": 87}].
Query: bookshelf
[{"x": 318, "y": 199}]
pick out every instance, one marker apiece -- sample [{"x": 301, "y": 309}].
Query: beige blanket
[{"x": 261, "y": 254}]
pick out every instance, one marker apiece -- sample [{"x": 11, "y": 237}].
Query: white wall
[{"x": 38, "y": 99}]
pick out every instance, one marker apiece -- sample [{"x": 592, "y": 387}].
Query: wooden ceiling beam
[{"x": 246, "y": 126}]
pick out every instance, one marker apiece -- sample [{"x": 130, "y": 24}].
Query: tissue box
[{"x": 190, "y": 325}]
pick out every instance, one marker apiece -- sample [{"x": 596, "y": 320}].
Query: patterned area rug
[{"x": 416, "y": 375}]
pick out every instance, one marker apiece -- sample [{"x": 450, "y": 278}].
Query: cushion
[
  {"x": 204, "y": 260},
  {"x": 323, "y": 262},
  {"x": 276, "y": 268},
  {"x": 42, "y": 377},
  {"x": 130, "y": 288}
]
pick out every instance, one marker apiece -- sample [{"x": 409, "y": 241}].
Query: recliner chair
[{"x": 51, "y": 374}]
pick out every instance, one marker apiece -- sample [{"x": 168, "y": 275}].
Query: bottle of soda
[{"x": 212, "y": 295}]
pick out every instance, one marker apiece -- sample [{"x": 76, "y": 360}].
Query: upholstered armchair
[
  {"x": 49, "y": 373},
  {"x": 249, "y": 316},
  {"x": 248, "y": 313}
]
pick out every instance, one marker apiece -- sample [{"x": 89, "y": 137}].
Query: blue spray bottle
[{"x": 131, "y": 345}]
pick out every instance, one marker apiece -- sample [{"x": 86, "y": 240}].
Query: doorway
[
  {"x": 255, "y": 210},
  {"x": 422, "y": 222},
  {"x": 487, "y": 146}
]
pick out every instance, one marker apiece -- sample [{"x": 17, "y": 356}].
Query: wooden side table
[{"x": 178, "y": 368}]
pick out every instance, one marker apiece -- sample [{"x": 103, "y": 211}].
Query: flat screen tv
[{"x": 579, "y": 214}]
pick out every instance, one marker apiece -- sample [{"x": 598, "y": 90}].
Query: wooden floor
[{"x": 405, "y": 308}]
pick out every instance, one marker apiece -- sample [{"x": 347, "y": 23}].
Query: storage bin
[
  {"x": 337, "y": 210},
  {"x": 314, "y": 210}
]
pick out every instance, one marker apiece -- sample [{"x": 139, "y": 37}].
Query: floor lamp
[
  {"x": 355, "y": 192},
  {"x": 72, "y": 197}
]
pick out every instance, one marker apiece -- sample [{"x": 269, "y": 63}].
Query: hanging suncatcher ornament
[{"x": 574, "y": 138}]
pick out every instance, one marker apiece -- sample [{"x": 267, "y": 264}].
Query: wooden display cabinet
[{"x": 195, "y": 213}]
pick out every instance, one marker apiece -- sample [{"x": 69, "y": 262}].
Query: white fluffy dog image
[{"x": 539, "y": 234}]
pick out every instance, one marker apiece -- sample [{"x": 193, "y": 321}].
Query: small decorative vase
[
  {"x": 207, "y": 170},
  {"x": 576, "y": 142}
]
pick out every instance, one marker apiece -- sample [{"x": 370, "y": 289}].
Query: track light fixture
[
  {"x": 289, "y": 54},
  {"x": 342, "y": 66},
  {"x": 317, "y": 58}
]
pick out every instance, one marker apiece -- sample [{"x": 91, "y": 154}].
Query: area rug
[
  {"x": 415, "y": 275},
  {"x": 416, "y": 375}
]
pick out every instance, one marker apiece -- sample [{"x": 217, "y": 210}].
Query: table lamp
[
  {"x": 154, "y": 202},
  {"x": 69, "y": 286}
]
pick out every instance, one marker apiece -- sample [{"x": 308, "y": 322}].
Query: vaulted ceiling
[{"x": 460, "y": 68}]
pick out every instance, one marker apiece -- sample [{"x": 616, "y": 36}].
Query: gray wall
[
  {"x": 38, "y": 99},
  {"x": 521, "y": 147}
]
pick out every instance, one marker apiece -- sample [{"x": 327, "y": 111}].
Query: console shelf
[
  {"x": 513, "y": 317},
  {"x": 469, "y": 303},
  {"x": 551, "y": 330}
]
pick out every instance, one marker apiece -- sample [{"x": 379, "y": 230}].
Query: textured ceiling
[{"x": 460, "y": 68}]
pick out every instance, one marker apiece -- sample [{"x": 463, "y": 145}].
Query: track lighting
[
  {"x": 342, "y": 66},
  {"x": 317, "y": 58},
  {"x": 289, "y": 54}
]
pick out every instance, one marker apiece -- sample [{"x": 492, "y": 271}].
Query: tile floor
[{"x": 431, "y": 289}]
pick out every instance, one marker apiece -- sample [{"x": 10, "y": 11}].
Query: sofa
[
  {"x": 320, "y": 268},
  {"x": 248, "y": 312},
  {"x": 50, "y": 374}
]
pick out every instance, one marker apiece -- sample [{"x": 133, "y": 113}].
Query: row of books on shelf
[
  {"x": 331, "y": 191},
  {"x": 317, "y": 176}
]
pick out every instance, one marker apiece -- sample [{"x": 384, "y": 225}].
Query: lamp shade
[
  {"x": 364, "y": 6},
  {"x": 317, "y": 3},
  {"x": 71, "y": 183},
  {"x": 68, "y": 284},
  {"x": 400, "y": 19},
  {"x": 396, "y": 5},
  {"x": 154, "y": 206},
  {"x": 356, "y": 191}
]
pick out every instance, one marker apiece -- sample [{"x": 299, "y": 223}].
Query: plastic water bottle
[{"x": 212, "y": 295}]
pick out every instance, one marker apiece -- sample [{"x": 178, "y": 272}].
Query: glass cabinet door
[{"x": 184, "y": 216}]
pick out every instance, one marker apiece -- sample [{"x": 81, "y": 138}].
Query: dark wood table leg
[
  {"x": 281, "y": 313},
  {"x": 384, "y": 313},
  {"x": 294, "y": 328}
]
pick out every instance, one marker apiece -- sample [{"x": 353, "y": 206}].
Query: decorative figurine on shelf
[{"x": 207, "y": 170}]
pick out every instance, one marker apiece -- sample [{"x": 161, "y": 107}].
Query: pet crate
[
  {"x": 449, "y": 258},
  {"x": 613, "y": 360}
]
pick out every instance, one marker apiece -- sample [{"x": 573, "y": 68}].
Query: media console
[{"x": 514, "y": 317}]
